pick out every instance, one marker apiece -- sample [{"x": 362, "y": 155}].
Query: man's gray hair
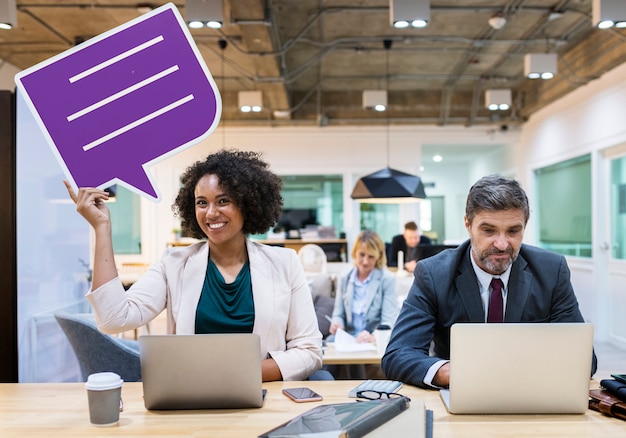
[{"x": 495, "y": 193}]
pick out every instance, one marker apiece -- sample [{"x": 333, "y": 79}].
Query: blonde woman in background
[
  {"x": 366, "y": 297},
  {"x": 367, "y": 293}
]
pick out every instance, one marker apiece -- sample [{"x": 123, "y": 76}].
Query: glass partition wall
[
  {"x": 310, "y": 200},
  {"x": 564, "y": 207},
  {"x": 618, "y": 208},
  {"x": 126, "y": 221}
]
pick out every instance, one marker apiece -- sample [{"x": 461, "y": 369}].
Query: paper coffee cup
[
  {"x": 104, "y": 391},
  {"x": 382, "y": 339}
]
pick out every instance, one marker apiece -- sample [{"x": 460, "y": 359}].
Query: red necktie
[{"x": 495, "y": 301}]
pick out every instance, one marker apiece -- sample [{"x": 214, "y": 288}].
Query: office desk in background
[
  {"x": 333, "y": 357},
  {"x": 336, "y": 249},
  {"x": 60, "y": 410}
]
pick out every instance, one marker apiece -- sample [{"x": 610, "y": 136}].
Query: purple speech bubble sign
[{"x": 124, "y": 100}]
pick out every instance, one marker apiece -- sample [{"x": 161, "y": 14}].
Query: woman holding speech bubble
[{"x": 226, "y": 284}]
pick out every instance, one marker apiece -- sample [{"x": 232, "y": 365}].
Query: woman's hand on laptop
[{"x": 442, "y": 377}]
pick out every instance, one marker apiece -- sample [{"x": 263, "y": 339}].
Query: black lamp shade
[{"x": 389, "y": 186}]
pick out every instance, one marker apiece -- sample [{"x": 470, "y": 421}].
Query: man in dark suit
[
  {"x": 407, "y": 242},
  {"x": 455, "y": 285}
]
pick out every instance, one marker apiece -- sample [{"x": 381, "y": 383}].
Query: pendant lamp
[{"x": 388, "y": 186}]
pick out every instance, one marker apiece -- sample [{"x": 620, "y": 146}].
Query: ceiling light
[
  {"x": 144, "y": 8},
  {"x": 250, "y": 101},
  {"x": 375, "y": 99},
  {"x": 554, "y": 15},
  {"x": 8, "y": 14},
  {"x": 540, "y": 65},
  {"x": 498, "y": 100},
  {"x": 200, "y": 13},
  {"x": 405, "y": 13},
  {"x": 437, "y": 158},
  {"x": 282, "y": 114},
  {"x": 388, "y": 186},
  {"x": 608, "y": 13},
  {"x": 497, "y": 21}
]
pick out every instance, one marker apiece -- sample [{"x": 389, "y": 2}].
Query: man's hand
[{"x": 442, "y": 378}]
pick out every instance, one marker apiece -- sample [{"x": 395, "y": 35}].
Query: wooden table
[
  {"x": 333, "y": 357},
  {"x": 60, "y": 410}
]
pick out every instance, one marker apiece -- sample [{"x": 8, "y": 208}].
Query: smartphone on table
[
  {"x": 300, "y": 395},
  {"x": 619, "y": 377}
]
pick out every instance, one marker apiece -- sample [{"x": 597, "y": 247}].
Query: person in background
[
  {"x": 455, "y": 285},
  {"x": 407, "y": 242},
  {"x": 226, "y": 284},
  {"x": 367, "y": 292},
  {"x": 366, "y": 296}
]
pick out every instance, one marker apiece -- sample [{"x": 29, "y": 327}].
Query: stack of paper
[{"x": 344, "y": 341}]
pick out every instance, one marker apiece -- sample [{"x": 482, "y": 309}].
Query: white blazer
[{"x": 284, "y": 315}]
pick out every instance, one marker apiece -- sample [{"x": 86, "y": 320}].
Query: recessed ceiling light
[{"x": 144, "y": 8}]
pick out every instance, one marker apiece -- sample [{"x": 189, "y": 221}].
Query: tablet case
[
  {"x": 342, "y": 420},
  {"x": 609, "y": 405}
]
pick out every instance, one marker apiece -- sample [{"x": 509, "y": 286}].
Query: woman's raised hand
[{"x": 90, "y": 203}]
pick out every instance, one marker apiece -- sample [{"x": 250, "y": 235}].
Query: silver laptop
[
  {"x": 201, "y": 371},
  {"x": 533, "y": 368}
]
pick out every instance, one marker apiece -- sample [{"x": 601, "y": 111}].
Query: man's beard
[{"x": 495, "y": 267}]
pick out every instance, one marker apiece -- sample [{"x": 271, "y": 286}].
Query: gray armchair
[{"x": 96, "y": 351}]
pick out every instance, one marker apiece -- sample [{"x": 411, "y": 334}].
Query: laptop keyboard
[{"x": 376, "y": 385}]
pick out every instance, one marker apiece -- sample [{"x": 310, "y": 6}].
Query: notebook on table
[
  {"x": 201, "y": 371},
  {"x": 533, "y": 368}
]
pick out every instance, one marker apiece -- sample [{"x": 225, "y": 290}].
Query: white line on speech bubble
[
  {"x": 117, "y": 58},
  {"x": 122, "y": 93},
  {"x": 138, "y": 122}
]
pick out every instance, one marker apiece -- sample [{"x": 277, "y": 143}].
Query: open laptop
[
  {"x": 201, "y": 371},
  {"x": 532, "y": 368}
]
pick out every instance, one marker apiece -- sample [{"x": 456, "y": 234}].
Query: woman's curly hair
[{"x": 245, "y": 178}]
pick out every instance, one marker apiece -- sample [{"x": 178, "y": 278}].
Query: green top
[{"x": 225, "y": 308}]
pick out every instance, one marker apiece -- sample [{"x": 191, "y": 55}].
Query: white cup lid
[{"x": 103, "y": 381}]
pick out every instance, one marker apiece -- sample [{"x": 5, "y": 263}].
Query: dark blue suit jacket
[{"x": 445, "y": 291}]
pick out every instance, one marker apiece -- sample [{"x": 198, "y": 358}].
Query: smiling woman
[{"x": 224, "y": 284}]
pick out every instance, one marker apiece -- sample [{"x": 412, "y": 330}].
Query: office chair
[
  {"x": 97, "y": 351},
  {"x": 313, "y": 258}
]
